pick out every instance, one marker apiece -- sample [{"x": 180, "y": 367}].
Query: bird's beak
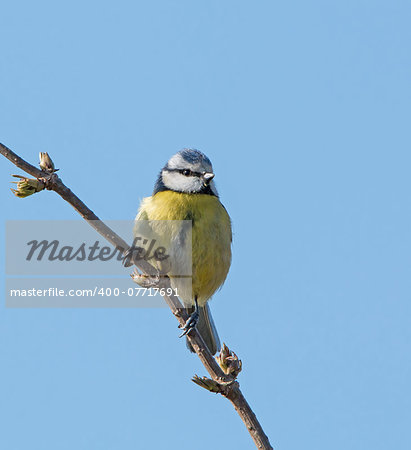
[{"x": 207, "y": 177}]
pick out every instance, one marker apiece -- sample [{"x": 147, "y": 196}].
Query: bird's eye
[{"x": 186, "y": 172}]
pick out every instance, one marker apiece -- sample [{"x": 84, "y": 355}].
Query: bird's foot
[
  {"x": 191, "y": 321},
  {"x": 145, "y": 281}
]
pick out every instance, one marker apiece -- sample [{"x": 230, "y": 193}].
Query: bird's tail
[{"x": 207, "y": 330}]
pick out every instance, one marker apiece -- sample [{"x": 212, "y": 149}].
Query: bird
[{"x": 185, "y": 192}]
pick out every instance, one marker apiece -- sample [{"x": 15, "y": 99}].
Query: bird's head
[{"x": 188, "y": 171}]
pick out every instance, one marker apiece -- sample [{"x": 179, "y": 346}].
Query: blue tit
[{"x": 185, "y": 191}]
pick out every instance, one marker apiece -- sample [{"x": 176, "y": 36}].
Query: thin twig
[{"x": 226, "y": 384}]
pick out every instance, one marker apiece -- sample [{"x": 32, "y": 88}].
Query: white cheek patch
[{"x": 178, "y": 182}]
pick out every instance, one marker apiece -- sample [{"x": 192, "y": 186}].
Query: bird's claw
[
  {"x": 191, "y": 321},
  {"x": 145, "y": 281}
]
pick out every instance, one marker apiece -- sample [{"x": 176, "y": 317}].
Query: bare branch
[{"x": 223, "y": 382}]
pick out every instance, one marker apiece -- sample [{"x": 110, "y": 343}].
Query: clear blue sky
[{"x": 304, "y": 110}]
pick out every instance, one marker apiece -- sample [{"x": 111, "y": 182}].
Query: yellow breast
[{"x": 211, "y": 235}]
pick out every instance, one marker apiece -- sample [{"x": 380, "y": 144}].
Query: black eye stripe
[{"x": 186, "y": 172}]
